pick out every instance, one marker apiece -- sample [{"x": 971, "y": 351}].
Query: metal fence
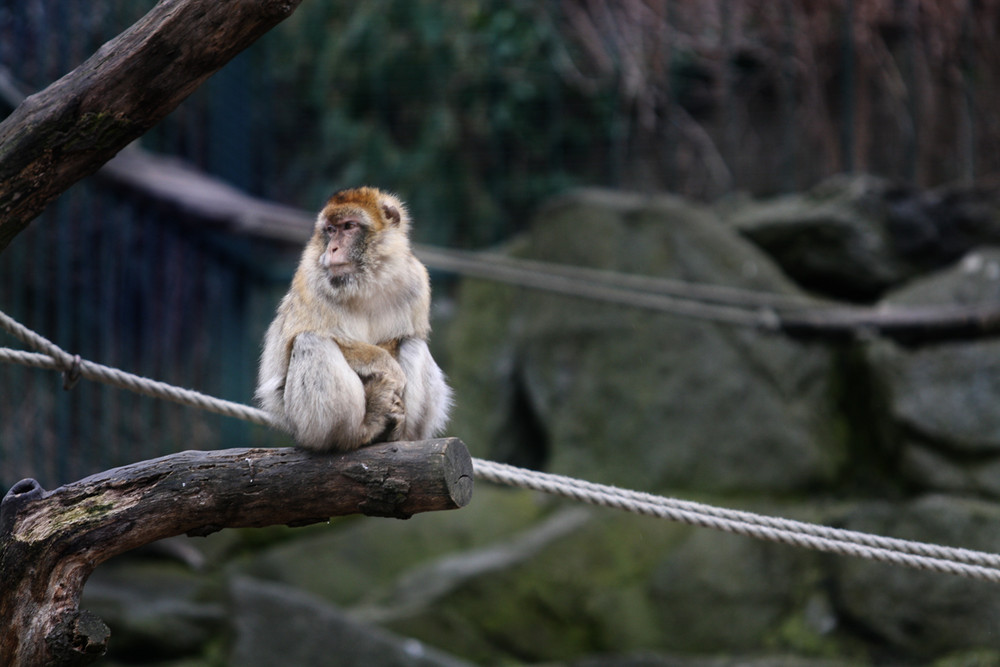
[
  {"x": 120, "y": 282},
  {"x": 124, "y": 281}
]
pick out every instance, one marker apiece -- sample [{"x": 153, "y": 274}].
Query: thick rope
[
  {"x": 767, "y": 311},
  {"x": 570, "y": 283},
  {"x": 963, "y": 562},
  {"x": 56, "y": 358}
]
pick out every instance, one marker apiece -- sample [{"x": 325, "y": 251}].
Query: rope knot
[{"x": 72, "y": 374}]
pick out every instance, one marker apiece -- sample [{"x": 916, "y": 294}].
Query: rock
[
  {"x": 630, "y": 397},
  {"x": 855, "y": 237},
  {"x": 278, "y": 625},
  {"x": 654, "y": 660},
  {"x": 973, "y": 279},
  {"x": 354, "y": 559},
  {"x": 833, "y": 240},
  {"x": 947, "y": 395},
  {"x": 925, "y": 467},
  {"x": 583, "y": 591},
  {"x": 920, "y": 613},
  {"x": 941, "y": 400},
  {"x": 626, "y": 586},
  {"x": 154, "y": 608},
  {"x": 422, "y": 587},
  {"x": 727, "y": 592},
  {"x": 934, "y": 228}
]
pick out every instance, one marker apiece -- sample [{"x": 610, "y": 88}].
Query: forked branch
[{"x": 50, "y": 541}]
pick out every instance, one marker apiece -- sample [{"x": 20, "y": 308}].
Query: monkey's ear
[{"x": 391, "y": 214}]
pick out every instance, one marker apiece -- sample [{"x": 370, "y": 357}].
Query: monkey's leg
[
  {"x": 384, "y": 383},
  {"x": 324, "y": 399},
  {"x": 427, "y": 395}
]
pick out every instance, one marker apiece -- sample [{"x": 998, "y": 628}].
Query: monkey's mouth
[{"x": 340, "y": 269}]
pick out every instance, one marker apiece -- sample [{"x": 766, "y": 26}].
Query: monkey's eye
[
  {"x": 349, "y": 225},
  {"x": 329, "y": 229}
]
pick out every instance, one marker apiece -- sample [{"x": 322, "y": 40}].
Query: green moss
[
  {"x": 481, "y": 333},
  {"x": 352, "y": 561},
  {"x": 583, "y": 593},
  {"x": 973, "y": 658}
]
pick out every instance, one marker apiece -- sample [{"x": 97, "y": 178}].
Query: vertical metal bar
[
  {"x": 670, "y": 128},
  {"x": 911, "y": 139},
  {"x": 229, "y": 109},
  {"x": 126, "y": 403},
  {"x": 41, "y": 403},
  {"x": 61, "y": 292},
  {"x": 847, "y": 90},
  {"x": 108, "y": 318},
  {"x": 788, "y": 146},
  {"x": 969, "y": 69},
  {"x": 146, "y": 336},
  {"x": 231, "y": 361},
  {"x": 730, "y": 141},
  {"x": 19, "y": 380},
  {"x": 86, "y": 395}
]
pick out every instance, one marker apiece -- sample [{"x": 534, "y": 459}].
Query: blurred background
[{"x": 479, "y": 114}]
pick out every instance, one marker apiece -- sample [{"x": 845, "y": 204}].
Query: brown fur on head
[
  {"x": 385, "y": 209},
  {"x": 359, "y": 233}
]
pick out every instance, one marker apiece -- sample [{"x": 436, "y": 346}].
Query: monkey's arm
[
  {"x": 427, "y": 397},
  {"x": 384, "y": 383},
  {"x": 327, "y": 404}
]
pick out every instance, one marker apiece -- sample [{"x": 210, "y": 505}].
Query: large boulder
[
  {"x": 609, "y": 583},
  {"x": 832, "y": 240},
  {"x": 154, "y": 607},
  {"x": 278, "y": 625},
  {"x": 633, "y": 397},
  {"x": 855, "y": 237}
]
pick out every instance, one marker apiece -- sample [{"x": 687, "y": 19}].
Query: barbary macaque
[{"x": 345, "y": 361}]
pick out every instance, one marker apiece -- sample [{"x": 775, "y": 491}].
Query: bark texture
[
  {"x": 50, "y": 541},
  {"x": 67, "y": 131}
]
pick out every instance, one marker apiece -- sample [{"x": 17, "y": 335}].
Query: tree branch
[
  {"x": 67, "y": 131},
  {"x": 50, "y": 541}
]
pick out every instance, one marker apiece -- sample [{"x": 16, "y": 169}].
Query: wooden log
[
  {"x": 50, "y": 541},
  {"x": 67, "y": 131}
]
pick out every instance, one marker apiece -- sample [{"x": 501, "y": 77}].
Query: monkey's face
[
  {"x": 357, "y": 232},
  {"x": 343, "y": 239}
]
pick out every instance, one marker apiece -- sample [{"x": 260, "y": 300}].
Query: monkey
[{"x": 345, "y": 362}]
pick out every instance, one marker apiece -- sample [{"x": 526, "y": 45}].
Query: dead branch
[
  {"x": 50, "y": 541},
  {"x": 67, "y": 131}
]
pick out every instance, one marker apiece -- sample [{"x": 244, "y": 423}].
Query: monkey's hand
[{"x": 385, "y": 384}]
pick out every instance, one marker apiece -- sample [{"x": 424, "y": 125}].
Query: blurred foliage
[
  {"x": 475, "y": 110},
  {"x": 453, "y": 104}
]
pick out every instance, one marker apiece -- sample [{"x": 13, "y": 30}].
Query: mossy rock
[{"x": 637, "y": 398}]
